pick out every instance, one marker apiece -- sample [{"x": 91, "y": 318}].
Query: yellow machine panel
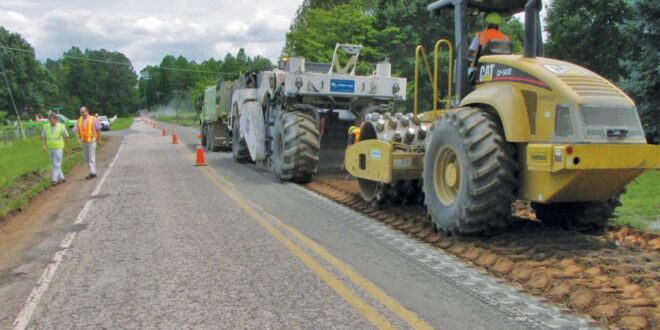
[
  {"x": 582, "y": 172},
  {"x": 375, "y": 160}
]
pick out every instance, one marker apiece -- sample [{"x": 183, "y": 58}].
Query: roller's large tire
[
  {"x": 240, "y": 151},
  {"x": 296, "y": 147},
  {"x": 586, "y": 217},
  {"x": 474, "y": 192}
]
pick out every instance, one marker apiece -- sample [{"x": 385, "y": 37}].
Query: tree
[
  {"x": 589, "y": 33},
  {"x": 102, "y": 80},
  {"x": 316, "y": 39},
  {"x": 260, "y": 63},
  {"x": 29, "y": 82},
  {"x": 417, "y": 27},
  {"x": 516, "y": 31},
  {"x": 643, "y": 69},
  {"x": 387, "y": 28},
  {"x": 3, "y": 117},
  {"x": 183, "y": 81}
]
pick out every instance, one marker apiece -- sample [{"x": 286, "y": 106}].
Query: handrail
[
  {"x": 435, "y": 74},
  {"x": 420, "y": 51}
]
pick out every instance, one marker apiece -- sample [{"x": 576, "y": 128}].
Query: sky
[{"x": 147, "y": 30}]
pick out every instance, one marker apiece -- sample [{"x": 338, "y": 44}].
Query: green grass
[
  {"x": 20, "y": 157},
  {"x": 121, "y": 123},
  {"x": 641, "y": 203},
  {"x": 185, "y": 119},
  {"x": 25, "y": 172}
]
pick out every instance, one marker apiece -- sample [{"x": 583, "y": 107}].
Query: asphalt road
[{"x": 164, "y": 244}]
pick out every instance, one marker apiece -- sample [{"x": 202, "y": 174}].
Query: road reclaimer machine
[
  {"x": 214, "y": 118},
  {"x": 294, "y": 120},
  {"x": 520, "y": 127}
]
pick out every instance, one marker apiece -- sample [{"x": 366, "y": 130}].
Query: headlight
[
  {"x": 299, "y": 83},
  {"x": 605, "y": 121},
  {"x": 563, "y": 121}
]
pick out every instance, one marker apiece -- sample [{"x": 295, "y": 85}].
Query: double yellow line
[{"x": 366, "y": 310}]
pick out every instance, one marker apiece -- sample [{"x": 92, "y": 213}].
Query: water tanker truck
[{"x": 214, "y": 118}]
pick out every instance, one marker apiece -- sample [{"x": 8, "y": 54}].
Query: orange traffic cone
[
  {"x": 164, "y": 133},
  {"x": 175, "y": 140},
  {"x": 200, "y": 152}
]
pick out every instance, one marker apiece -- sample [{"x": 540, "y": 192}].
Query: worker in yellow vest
[
  {"x": 88, "y": 131},
  {"x": 54, "y": 139}
]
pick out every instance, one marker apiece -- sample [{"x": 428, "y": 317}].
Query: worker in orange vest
[
  {"x": 492, "y": 32},
  {"x": 88, "y": 131}
]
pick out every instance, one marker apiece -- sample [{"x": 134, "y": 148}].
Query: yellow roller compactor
[{"x": 519, "y": 127}]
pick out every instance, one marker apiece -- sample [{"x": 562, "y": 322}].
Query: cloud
[{"x": 147, "y": 30}]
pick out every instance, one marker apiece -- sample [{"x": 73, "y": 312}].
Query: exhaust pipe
[{"x": 531, "y": 9}]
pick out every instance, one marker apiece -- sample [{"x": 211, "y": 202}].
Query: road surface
[{"x": 159, "y": 243}]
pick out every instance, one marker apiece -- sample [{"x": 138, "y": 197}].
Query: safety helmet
[{"x": 494, "y": 18}]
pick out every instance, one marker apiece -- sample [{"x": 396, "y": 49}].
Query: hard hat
[{"x": 494, "y": 18}]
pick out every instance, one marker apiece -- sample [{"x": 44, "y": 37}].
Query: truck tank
[{"x": 214, "y": 117}]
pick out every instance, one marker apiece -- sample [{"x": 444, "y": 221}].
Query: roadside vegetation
[
  {"x": 121, "y": 123},
  {"x": 641, "y": 204},
  {"x": 25, "y": 172},
  {"x": 190, "y": 119}
]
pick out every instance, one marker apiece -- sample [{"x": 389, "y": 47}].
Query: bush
[{"x": 3, "y": 117}]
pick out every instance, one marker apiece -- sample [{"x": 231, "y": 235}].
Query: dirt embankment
[{"x": 43, "y": 215}]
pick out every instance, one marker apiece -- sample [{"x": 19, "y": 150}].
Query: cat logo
[{"x": 486, "y": 72}]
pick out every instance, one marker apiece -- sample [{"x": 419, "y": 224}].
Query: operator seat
[
  {"x": 493, "y": 47},
  {"x": 498, "y": 47}
]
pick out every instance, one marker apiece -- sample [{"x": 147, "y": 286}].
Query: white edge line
[{"x": 23, "y": 319}]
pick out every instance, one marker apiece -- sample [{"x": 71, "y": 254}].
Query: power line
[
  {"x": 124, "y": 63},
  {"x": 17, "y": 63},
  {"x": 11, "y": 58}
]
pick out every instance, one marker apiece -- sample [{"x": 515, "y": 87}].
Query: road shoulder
[{"x": 29, "y": 239}]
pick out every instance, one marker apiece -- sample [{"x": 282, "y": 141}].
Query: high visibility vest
[
  {"x": 356, "y": 135},
  {"x": 484, "y": 37},
  {"x": 86, "y": 134},
  {"x": 54, "y": 137},
  {"x": 355, "y": 132}
]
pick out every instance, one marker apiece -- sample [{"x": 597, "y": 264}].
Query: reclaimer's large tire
[
  {"x": 240, "y": 151},
  {"x": 469, "y": 173},
  {"x": 296, "y": 147},
  {"x": 588, "y": 217},
  {"x": 209, "y": 137}
]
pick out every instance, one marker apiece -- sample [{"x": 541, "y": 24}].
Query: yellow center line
[
  {"x": 347, "y": 294},
  {"x": 390, "y": 303}
]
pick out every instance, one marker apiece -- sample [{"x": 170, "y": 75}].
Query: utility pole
[{"x": 13, "y": 102}]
